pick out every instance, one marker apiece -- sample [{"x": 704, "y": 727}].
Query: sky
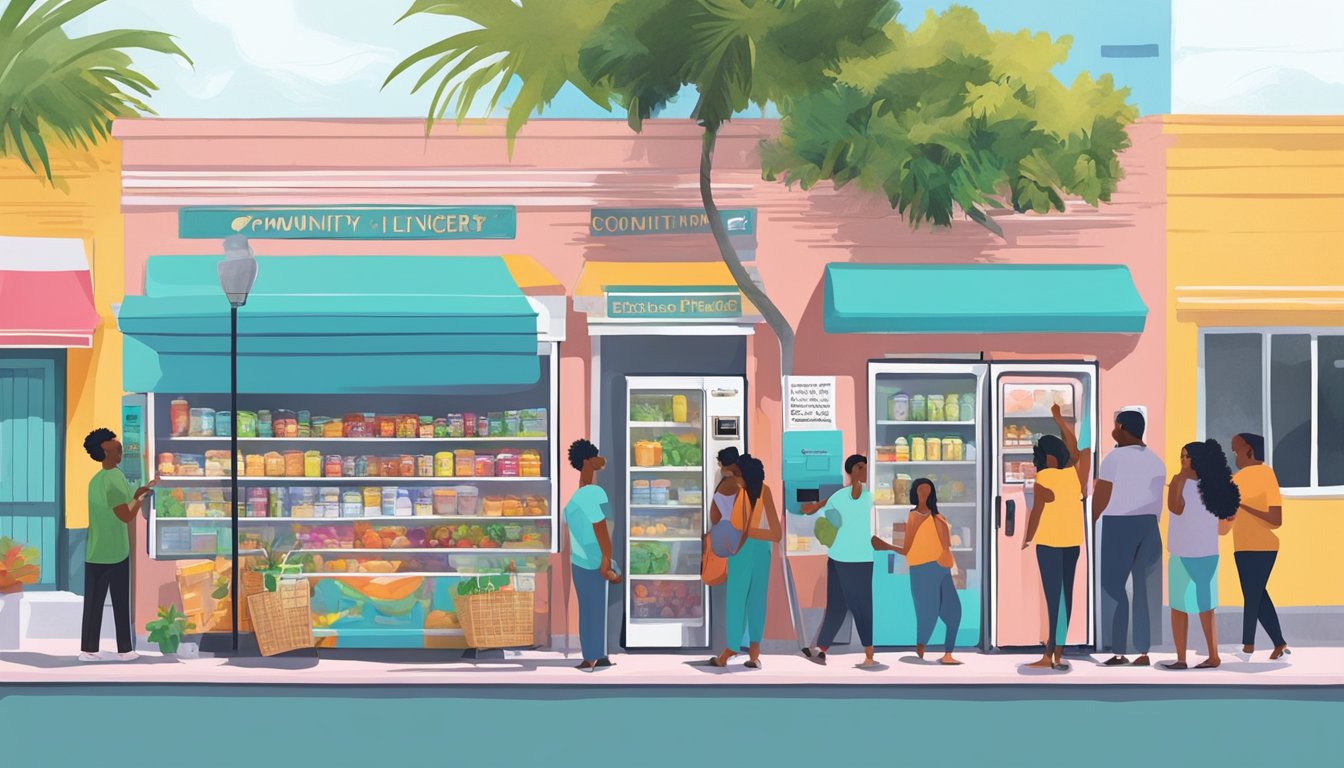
[{"x": 328, "y": 58}]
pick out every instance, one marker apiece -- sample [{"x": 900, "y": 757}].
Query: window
[{"x": 1287, "y": 385}]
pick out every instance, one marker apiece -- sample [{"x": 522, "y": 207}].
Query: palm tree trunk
[{"x": 773, "y": 317}]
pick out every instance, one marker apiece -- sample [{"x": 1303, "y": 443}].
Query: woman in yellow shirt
[
  {"x": 928, "y": 552},
  {"x": 1056, "y": 527}
]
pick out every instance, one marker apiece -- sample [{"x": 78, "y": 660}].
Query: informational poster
[
  {"x": 132, "y": 443},
  {"x": 809, "y": 403}
]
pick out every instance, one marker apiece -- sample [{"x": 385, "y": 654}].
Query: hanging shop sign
[
  {"x": 482, "y": 222},
  {"x": 619, "y": 222},
  {"x": 673, "y": 303}
]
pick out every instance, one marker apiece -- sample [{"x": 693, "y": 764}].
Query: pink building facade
[{"x": 561, "y": 171}]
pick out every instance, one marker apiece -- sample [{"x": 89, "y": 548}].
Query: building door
[{"x": 32, "y": 400}]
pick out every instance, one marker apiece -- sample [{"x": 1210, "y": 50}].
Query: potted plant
[
  {"x": 167, "y": 630},
  {"x": 19, "y": 566}
]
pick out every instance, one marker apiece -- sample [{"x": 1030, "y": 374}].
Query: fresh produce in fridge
[
  {"x": 650, "y": 557},
  {"x": 643, "y": 411}
]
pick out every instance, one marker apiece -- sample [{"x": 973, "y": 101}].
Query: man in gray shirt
[{"x": 1128, "y": 496}]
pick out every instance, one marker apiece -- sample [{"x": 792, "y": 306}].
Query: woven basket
[
  {"x": 496, "y": 619},
  {"x": 282, "y": 619},
  {"x": 254, "y": 583}
]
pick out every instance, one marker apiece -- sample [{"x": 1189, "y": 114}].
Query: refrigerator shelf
[
  {"x": 493, "y": 551},
  {"x": 663, "y": 425},
  {"x": 394, "y": 575},
  {"x": 925, "y": 463},
  {"x": 427, "y": 519},
  {"x": 416, "y": 631},
  {"x": 693, "y": 621},
  {"x": 665, "y": 538},
  {"x": 891, "y": 423},
  {"x": 941, "y": 504},
  {"x": 668, "y": 469},
  {"x": 282, "y": 481},
  {"x": 667, "y": 507},
  {"x": 383, "y": 440}
]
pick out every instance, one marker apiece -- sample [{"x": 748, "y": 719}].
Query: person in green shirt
[{"x": 107, "y": 560}]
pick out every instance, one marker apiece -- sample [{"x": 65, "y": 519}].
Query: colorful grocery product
[
  {"x": 952, "y": 407},
  {"x": 465, "y": 463},
  {"x": 179, "y": 415},
  {"x": 898, "y": 407}
]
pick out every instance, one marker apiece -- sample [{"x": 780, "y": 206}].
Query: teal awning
[
  {"x": 982, "y": 298},
  {"x": 332, "y": 324}
]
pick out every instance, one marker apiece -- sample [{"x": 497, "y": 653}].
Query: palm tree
[{"x": 68, "y": 90}]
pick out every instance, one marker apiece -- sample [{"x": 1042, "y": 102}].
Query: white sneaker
[
  {"x": 128, "y": 656},
  {"x": 86, "y": 656}
]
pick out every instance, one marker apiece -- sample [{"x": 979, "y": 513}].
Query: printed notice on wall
[{"x": 809, "y": 402}]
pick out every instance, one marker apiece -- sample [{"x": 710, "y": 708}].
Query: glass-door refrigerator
[
  {"x": 676, "y": 427},
  {"x": 1024, "y": 394},
  {"x": 928, "y": 420}
]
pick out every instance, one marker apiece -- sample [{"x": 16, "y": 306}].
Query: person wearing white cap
[{"x": 1128, "y": 500}]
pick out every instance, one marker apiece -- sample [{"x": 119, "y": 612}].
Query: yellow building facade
[
  {"x": 84, "y": 204},
  {"x": 1255, "y": 214}
]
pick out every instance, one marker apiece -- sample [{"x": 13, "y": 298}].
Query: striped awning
[{"x": 46, "y": 293}]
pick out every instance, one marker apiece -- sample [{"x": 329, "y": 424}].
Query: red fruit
[{"x": 464, "y": 544}]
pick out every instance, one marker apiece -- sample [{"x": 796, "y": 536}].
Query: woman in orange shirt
[{"x": 928, "y": 552}]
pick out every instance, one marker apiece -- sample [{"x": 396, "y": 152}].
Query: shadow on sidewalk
[{"x": 50, "y": 661}]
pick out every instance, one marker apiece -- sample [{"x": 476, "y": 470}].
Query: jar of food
[
  {"x": 968, "y": 407},
  {"x": 485, "y": 465},
  {"x": 679, "y": 414},
  {"x": 933, "y": 448},
  {"x": 167, "y": 464},
  {"x": 407, "y": 466},
  {"x": 440, "y": 428},
  {"x": 352, "y": 504},
  {"x": 919, "y": 408},
  {"x": 465, "y": 463},
  {"x": 373, "y": 501},
  {"x": 349, "y": 466},
  {"x": 902, "y": 449},
  {"x": 529, "y": 464},
  {"x": 275, "y": 464},
  {"x": 968, "y": 452},
  {"x": 900, "y": 488},
  {"x": 312, "y": 464},
  {"x": 917, "y": 448},
  {"x": 482, "y": 426},
  {"x": 179, "y": 418},
  {"x": 506, "y": 463},
  {"x": 445, "y": 501},
  {"x": 423, "y": 503},
  {"x": 959, "y": 446},
  {"x": 468, "y": 497},
  {"x": 952, "y": 407},
  {"x": 469, "y": 425},
  {"x": 950, "y": 449},
  {"x": 332, "y": 466},
  {"x": 457, "y": 427},
  {"x": 408, "y": 426},
  {"x": 936, "y": 408},
  {"x": 443, "y": 464},
  {"x": 293, "y": 463},
  {"x": 424, "y": 465},
  {"x": 898, "y": 407},
  {"x": 202, "y": 422}
]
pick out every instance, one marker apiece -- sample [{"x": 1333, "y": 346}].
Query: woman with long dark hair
[
  {"x": 753, "y": 512},
  {"x": 1058, "y": 529},
  {"x": 928, "y": 552},
  {"x": 1203, "y": 500}
]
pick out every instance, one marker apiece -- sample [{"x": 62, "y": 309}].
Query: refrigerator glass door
[
  {"x": 666, "y": 603},
  {"x": 1023, "y": 396},
  {"x": 927, "y": 421}
]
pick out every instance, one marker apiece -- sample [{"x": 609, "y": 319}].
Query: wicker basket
[
  {"x": 496, "y": 619},
  {"x": 282, "y": 619},
  {"x": 254, "y": 583}
]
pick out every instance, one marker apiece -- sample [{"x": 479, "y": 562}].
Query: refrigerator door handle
[
  {"x": 998, "y": 512},
  {"x": 1012, "y": 518}
]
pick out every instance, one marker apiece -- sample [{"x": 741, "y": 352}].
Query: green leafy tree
[
  {"x": 54, "y": 87},
  {"x": 947, "y": 117}
]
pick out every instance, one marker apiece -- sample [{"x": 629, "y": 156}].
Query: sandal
[
  {"x": 1142, "y": 661},
  {"x": 756, "y": 664},
  {"x": 716, "y": 663},
  {"x": 1209, "y": 664},
  {"x": 1175, "y": 665}
]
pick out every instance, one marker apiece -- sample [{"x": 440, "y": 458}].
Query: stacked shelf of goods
[
  {"x": 666, "y": 509},
  {"x": 385, "y": 515},
  {"x": 927, "y": 427},
  {"x": 1026, "y": 418}
]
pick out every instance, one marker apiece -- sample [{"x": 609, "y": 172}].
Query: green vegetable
[
  {"x": 221, "y": 588},
  {"x": 495, "y": 532},
  {"x": 825, "y": 532},
  {"x": 167, "y": 630}
]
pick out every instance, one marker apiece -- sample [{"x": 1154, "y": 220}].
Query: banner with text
[
  {"x": 619, "y": 222},
  {"x": 668, "y": 303},
  {"x": 809, "y": 403},
  {"x": 483, "y": 222}
]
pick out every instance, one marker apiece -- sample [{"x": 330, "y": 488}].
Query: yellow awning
[
  {"x": 531, "y": 276},
  {"x": 598, "y": 276}
]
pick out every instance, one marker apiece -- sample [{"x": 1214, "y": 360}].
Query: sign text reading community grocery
[
  {"x": 490, "y": 222},
  {"x": 617, "y": 222}
]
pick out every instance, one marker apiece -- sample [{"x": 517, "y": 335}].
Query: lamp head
[{"x": 238, "y": 270}]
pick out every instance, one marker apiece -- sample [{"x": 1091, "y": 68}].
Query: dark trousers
[
  {"x": 99, "y": 579},
  {"x": 849, "y": 589},
  {"x": 935, "y": 597},
  {"x": 1058, "y": 567},
  {"x": 1131, "y": 547},
  {"x": 591, "y": 589},
  {"x": 1253, "y": 569}
]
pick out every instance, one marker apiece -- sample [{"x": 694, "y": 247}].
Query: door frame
[{"x": 14, "y": 358}]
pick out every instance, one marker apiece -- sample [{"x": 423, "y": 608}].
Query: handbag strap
[{"x": 747, "y": 515}]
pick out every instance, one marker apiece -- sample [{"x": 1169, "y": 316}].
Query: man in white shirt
[{"x": 1128, "y": 498}]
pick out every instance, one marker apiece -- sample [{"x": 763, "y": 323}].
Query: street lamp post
[{"x": 237, "y": 272}]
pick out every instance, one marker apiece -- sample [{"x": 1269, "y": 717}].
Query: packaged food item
[
  {"x": 332, "y": 429},
  {"x": 492, "y": 506},
  {"x": 660, "y": 491},
  {"x": 222, "y": 422},
  {"x": 373, "y": 501},
  {"x": 968, "y": 452},
  {"x": 305, "y": 418},
  {"x": 352, "y": 504},
  {"x": 352, "y": 425},
  {"x": 246, "y": 423},
  {"x": 424, "y": 465},
  {"x": 482, "y": 426},
  {"x": 898, "y": 407},
  {"x": 933, "y": 448},
  {"x": 968, "y": 407},
  {"x": 534, "y": 423},
  {"x": 275, "y": 464},
  {"x": 467, "y": 498},
  {"x": 202, "y": 422},
  {"x": 952, "y": 407},
  {"x": 901, "y": 489},
  {"x": 936, "y": 408},
  {"x": 406, "y": 466},
  {"x": 425, "y": 430},
  {"x": 679, "y": 414},
  {"x": 167, "y": 464},
  {"x": 485, "y": 465},
  {"x": 918, "y": 408},
  {"x": 332, "y": 466},
  {"x": 422, "y": 503},
  {"x": 279, "y": 502},
  {"x": 456, "y": 426},
  {"x": 386, "y": 426},
  {"x": 264, "y": 424},
  {"x": 917, "y": 448},
  {"x": 468, "y": 424},
  {"x": 440, "y": 428},
  {"x": 285, "y": 424},
  {"x": 389, "y": 501},
  {"x": 465, "y": 463},
  {"x": 179, "y": 417},
  {"x": 387, "y": 466},
  {"x": 507, "y": 463},
  {"x": 217, "y": 464},
  {"x": 312, "y": 464},
  {"x": 408, "y": 425},
  {"x": 403, "y": 507},
  {"x": 254, "y": 465},
  {"x": 302, "y": 502},
  {"x": 902, "y": 449},
  {"x": 641, "y": 492},
  {"x": 444, "y": 464},
  {"x": 347, "y": 466},
  {"x": 445, "y": 501},
  {"x": 950, "y": 449},
  {"x": 513, "y": 423},
  {"x": 328, "y": 502},
  {"x": 529, "y": 464},
  {"x": 293, "y": 463},
  {"x": 958, "y": 454},
  {"x": 496, "y": 425},
  {"x": 513, "y": 506},
  {"x": 648, "y": 453},
  {"x": 258, "y": 502}
]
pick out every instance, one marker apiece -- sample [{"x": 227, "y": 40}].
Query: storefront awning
[
  {"x": 544, "y": 292},
  {"x": 982, "y": 298},
  {"x": 677, "y": 292},
  {"x": 46, "y": 294},
  {"x": 332, "y": 324}
]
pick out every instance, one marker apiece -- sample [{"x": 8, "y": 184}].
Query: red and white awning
[{"x": 46, "y": 293}]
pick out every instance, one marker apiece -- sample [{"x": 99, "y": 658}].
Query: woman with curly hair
[{"x": 1203, "y": 501}]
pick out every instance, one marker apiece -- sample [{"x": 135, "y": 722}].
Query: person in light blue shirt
[
  {"x": 849, "y": 566},
  {"x": 590, "y": 560}
]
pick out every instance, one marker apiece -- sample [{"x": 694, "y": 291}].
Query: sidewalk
[{"x": 47, "y": 664}]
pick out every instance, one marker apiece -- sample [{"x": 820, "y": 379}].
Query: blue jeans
[
  {"x": 748, "y": 582},
  {"x": 591, "y": 589},
  {"x": 935, "y": 598}
]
